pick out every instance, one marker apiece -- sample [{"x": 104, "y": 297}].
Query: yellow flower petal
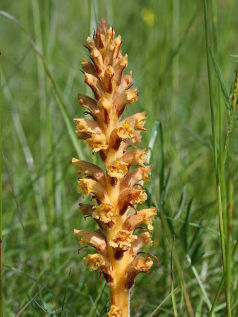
[
  {"x": 97, "y": 142},
  {"x": 94, "y": 261},
  {"x": 125, "y": 131},
  {"x": 87, "y": 126},
  {"x": 114, "y": 312},
  {"x": 135, "y": 157},
  {"x": 88, "y": 185},
  {"x": 123, "y": 240},
  {"x": 118, "y": 169},
  {"x": 137, "y": 120},
  {"x": 103, "y": 212}
]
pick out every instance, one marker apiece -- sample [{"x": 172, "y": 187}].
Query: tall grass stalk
[
  {"x": 175, "y": 37},
  {"x": 223, "y": 151},
  {"x": 213, "y": 126},
  {"x": 220, "y": 160},
  {"x": 172, "y": 282},
  {"x": 221, "y": 284},
  {"x": 27, "y": 153},
  {"x": 42, "y": 41},
  {"x": 50, "y": 175},
  {"x": 1, "y": 259},
  {"x": 177, "y": 264},
  {"x": 229, "y": 248},
  {"x": 228, "y": 272},
  {"x": 41, "y": 100},
  {"x": 231, "y": 117},
  {"x": 168, "y": 233},
  {"x": 221, "y": 222}
]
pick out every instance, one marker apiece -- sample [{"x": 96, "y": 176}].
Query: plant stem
[
  {"x": 119, "y": 294},
  {"x": 120, "y": 298},
  {"x": 231, "y": 118},
  {"x": 42, "y": 103},
  {"x": 229, "y": 251},
  {"x": 49, "y": 135},
  {"x": 221, "y": 222},
  {"x": 221, "y": 283},
  {"x": 172, "y": 283}
]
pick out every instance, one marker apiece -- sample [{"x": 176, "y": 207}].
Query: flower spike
[{"x": 116, "y": 187}]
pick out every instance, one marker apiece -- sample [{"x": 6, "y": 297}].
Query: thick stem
[
  {"x": 119, "y": 294},
  {"x": 120, "y": 297}
]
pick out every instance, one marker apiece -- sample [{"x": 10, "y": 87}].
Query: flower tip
[
  {"x": 132, "y": 95},
  {"x": 76, "y": 232},
  {"x": 74, "y": 160}
]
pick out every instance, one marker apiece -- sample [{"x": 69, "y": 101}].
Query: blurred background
[{"x": 42, "y": 46}]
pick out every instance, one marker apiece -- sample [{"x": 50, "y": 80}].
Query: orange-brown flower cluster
[{"x": 118, "y": 188}]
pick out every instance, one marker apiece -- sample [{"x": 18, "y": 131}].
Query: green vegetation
[{"x": 184, "y": 58}]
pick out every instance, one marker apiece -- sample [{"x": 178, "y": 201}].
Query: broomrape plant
[{"x": 116, "y": 189}]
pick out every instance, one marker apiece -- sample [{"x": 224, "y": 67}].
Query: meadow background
[{"x": 188, "y": 116}]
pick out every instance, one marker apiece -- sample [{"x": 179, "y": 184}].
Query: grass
[
  {"x": 184, "y": 57},
  {"x": 1, "y": 259}
]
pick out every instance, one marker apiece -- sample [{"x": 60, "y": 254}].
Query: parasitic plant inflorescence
[{"x": 117, "y": 188}]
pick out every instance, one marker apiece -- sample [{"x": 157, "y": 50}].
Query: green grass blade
[
  {"x": 184, "y": 229},
  {"x": 156, "y": 310},
  {"x": 211, "y": 101},
  {"x": 200, "y": 283},
  {"x": 28, "y": 156},
  {"x": 177, "y": 264},
  {"x": 210, "y": 84},
  {"x": 172, "y": 282},
  {"x": 59, "y": 101},
  {"x": 1, "y": 259},
  {"x": 176, "y": 50},
  {"x": 100, "y": 293},
  {"x": 152, "y": 140},
  {"x": 9, "y": 176},
  {"x": 181, "y": 205},
  {"x": 231, "y": 117},
  {"x": 161, "y": 137},
  {"x": 220, "y": 79},
  {"x": 229, "y": 248},
  {"x": 199, "y": 309},
  {"x": 221, "y": 283},
  {"x": 19, "y": 313}
]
